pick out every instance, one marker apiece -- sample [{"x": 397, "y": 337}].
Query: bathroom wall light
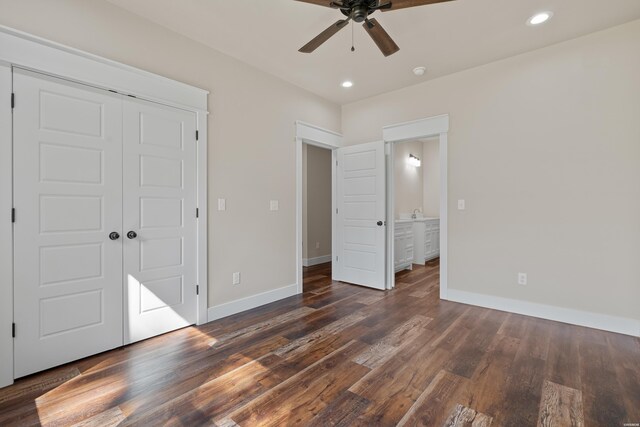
[{"x": 414, "y": 161}]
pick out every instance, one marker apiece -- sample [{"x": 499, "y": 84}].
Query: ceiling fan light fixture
[
  {"x": 539, "y": 18},
  {"x": 419, "y": 71},
  {"x": 346, "y": 84}
]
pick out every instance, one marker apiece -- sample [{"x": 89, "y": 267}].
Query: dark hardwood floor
[{"x": 346, "y": 355}]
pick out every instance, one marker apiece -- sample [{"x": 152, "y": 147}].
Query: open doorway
[
  {"x": 316, "y": 216},
  {"x": 428, "y": 231},
  {"x": 416, "y": 187}
]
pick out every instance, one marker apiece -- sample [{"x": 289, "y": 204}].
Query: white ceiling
[{"x": 445, "y": 38}]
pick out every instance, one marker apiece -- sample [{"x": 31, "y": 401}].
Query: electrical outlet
[
  {"x": 274, "y": 205},
  {"x": 462, "y": 205},
  {"x": 522, "y": 279},
  {"x": 236, "y": 278},
  {"x": 222, "y": 204},
  {"x": 317, "y": 245}
]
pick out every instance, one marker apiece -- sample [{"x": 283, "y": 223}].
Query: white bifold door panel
[
  {"x": 160, "y": 211},
  {"x": 89, "y": 168},
  {"x": 361, "y": 204},
  {"x": 68, "y": 199}
]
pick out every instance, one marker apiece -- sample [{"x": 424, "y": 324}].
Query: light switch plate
[
  {"x": 222, "y": 204},
  {"x": 462, "y": 205},
  {"x": 236, "y": 278},
  {"x": 274, "y": 205}
]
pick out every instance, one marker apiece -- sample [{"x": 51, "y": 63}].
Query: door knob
[
  {"x": 380, "y": 223},
  {"x": 114, "y": 236},
  {"x": 132, "y": 235}
]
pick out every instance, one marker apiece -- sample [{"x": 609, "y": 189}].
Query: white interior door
[
  {"x": 160, "y": 213},
  {"x": 68, "y": 199},
  {"x": 361, "y": 204}
]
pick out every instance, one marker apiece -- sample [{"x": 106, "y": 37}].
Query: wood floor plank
[
  {"x": 262, "y": 326},
  {"x": 602, "y": 399},
  {"x": 487, "y": 389},
  {"x": 302, "y": 344},
  {"x": 462, "y": 416},
  {"x": 430, "y": 409},
  {"x": 523, "y": 391},
  {"x": 386, "y": 348},
  {"x": 560, "y": 406},
  {"x": 110, "y": 418},
  {"x": 341, "y": 412}
]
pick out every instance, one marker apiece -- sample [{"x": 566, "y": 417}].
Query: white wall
[
  {"x": 316, "y": 210},
  {"x": 545, "y": 148},
  {"x": 431, "y": 178},
  {"x": 251, "y": 131},
  {"x": 408, "y": 179}
]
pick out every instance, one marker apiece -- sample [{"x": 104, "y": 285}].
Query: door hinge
[
  {"x": 336, "y": 211},
  {"x": 197, "y": 213},
  {"x": 13, "y": 100},
  {"x": 13, "y": 330},
  {"x": 13, "y": 215},
  {"x": 197, "y": 135},
  {"x": 197, "y": 289}
]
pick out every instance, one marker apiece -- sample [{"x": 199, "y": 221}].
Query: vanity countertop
[{"x": 402, "y": 221}]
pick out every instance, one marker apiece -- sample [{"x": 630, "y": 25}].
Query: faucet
[{"x": 413, "y": 215}]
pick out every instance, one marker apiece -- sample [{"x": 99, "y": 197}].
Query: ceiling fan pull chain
[{"x": 353, "y": 49}]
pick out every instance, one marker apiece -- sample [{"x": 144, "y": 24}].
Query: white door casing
[
  {"x": 361, "y": 203},
  {"x": 67, "y": 196},
  {"x": 160, "y": 208}
]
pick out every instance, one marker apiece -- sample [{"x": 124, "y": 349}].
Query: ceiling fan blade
[
  {"x": 403, "y": 4},
  {"x": 327, "y": 3},
  {"x": 380, "y": 37},
  {"x": 324, "y": 36}
]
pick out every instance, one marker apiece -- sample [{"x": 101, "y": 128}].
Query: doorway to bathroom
[
  {"x": 416, "y": 217},
  {"x": 417, "y": 211}
]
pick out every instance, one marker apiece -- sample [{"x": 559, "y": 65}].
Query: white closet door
[
  {"x": 160, "y": 215},
  {"x": 361, "y": 215},
  {"x": 68, "y": 199}
]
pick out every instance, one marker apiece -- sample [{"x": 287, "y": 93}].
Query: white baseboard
[
  {"x": 227, "y": 309},
  {"x": 604, "y": 322},
  {"x": 308, "y": 262}
]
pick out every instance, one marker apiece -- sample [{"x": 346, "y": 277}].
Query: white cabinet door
[
  {"x": 68, "y": 199},
  {"x": 160, "y": 213},
  {"x": 361, "y": 215}
]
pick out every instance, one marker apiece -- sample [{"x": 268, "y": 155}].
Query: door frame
[
  {"x": 43, "y": 56},
  {"x": 6, "y": 228},
  {"x": 313, "y": 135},
  {"x": 437, "y": 126}
]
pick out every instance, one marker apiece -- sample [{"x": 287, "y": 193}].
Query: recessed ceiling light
[
  {"x": 539, "y": 18},
  {"x": 419, "y": 71},
  {"x": 346, "y": 84}
]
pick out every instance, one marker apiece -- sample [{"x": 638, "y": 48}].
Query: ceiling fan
[{"x": 359, "y": 11}]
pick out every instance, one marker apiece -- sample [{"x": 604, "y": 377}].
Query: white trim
[
  {"x": 422, "y": 128},
  {"x": 313, "y": 135},
  {"x": 309, "y": 262},
  {"x": 37, "y": 54},
  {"x": 203, "y": 218},
  {"x": 418, "y": 129},
  {"x": 227, "y": 309},
  {"x": 604, "y": 322},
  {"x": 6, "y": 229}
]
